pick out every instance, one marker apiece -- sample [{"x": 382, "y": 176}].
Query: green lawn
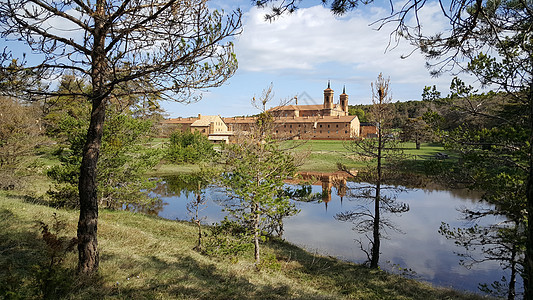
[
  {"x": 143, "y": 257},
  {"x": 322, "y": 156},
  {"x": 325, "y": 154}
]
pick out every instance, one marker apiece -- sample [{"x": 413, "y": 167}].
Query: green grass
[
  {"x": 166, "y": 169},
  {"x": 323, "y": 155},
  {"x": 143, "y": 257}
]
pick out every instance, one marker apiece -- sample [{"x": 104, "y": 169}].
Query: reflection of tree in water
[
  {"x": 181, "y": 184},
  {"x": 153, "y": 209},
  {"x": 375, "y": 202},
  {"x": 175, "y": 185},
  {"x": 502, "y": 241}
]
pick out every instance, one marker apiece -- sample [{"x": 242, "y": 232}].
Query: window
[
  {"x": 320, "y": 125},
  {"x": 337, "y": 125}
]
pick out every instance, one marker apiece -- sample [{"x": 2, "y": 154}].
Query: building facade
[
  {"x": 212, "y": 126},
  {"x": 327, "y": 121}
]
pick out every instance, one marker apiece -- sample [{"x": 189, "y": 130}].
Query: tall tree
[
  {"x": 133, "y": 47},
  {"x": 416, "y": 130},
  {"x": 383, "y": 147}
]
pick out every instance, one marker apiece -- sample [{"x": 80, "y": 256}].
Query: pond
[{"x": 416, "y": 246}]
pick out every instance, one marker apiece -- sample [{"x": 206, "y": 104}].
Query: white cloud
[
  {"x": 301, "y": 51},
  {"x": 313, "y": 36},
  {"x": 312, "y": 42}
]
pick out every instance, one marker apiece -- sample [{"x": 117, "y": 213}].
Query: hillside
[{"x": 145, "y": 257}]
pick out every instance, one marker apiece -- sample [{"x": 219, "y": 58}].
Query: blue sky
[{"x": 300, "y": 52}]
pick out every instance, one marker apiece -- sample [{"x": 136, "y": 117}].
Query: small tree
[
  {"x": 416, "y": 130},
  {"x": 195, "y": 207},
  {"x": 254, "y": 170},
  {"x": 384, "y": 146}
]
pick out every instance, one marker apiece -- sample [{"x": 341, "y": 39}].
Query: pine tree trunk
[
  {"x": 88, "y": 221},
  {"x": 374, "y": 261}
]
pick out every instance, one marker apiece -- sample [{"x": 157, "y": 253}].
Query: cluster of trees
[{"x": 189, "y": 147}]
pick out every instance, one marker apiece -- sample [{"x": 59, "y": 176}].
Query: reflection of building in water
[{"x": 327, "y": 181}]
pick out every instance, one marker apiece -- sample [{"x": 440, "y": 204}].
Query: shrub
[{"x": 189, "y": 147}]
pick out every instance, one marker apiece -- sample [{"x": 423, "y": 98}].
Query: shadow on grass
[
  {"x": 189, "y": 278},
  {"x": 26, "y": 269},
  {"x": 357, "y": 281}
]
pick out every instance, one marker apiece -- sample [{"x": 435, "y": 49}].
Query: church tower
[
  {"x": 328, "y": 98},
  {"x": 344, "y": 101}
]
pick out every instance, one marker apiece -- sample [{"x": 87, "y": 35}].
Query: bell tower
[
  {"x": 344, "y": 101},
  {"x": 328, "y": 97}
]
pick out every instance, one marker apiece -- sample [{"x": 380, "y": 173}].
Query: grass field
[
  {"x": 321, "y": 156},
  {"x": 324, "y": 154},
  {"x": 143, "y": 257}
]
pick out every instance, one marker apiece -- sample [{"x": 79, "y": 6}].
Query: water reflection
[
  {"x": 327, "y": 180},
  {"x": 421, "y": 248}
]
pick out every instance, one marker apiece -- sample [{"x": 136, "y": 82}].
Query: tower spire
[
  {"x": 344, "y": 89},
  {"x": 328, "y": 85}
]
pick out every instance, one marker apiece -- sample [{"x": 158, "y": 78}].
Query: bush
[
  {"x": 228, "y": 239},
  {"x": 189, "y": 147}
]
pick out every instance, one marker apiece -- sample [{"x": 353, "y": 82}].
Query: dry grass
[{"x": 146, "y": 257}]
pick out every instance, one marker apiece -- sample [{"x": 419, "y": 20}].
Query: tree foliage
[
  {"x": 19, "y": 135},
  {"x": 254, "y": 170},
  {"x": 189, "y": 147},
  {"x": 493, "y": 150},
  {"x": 165, "y": 49},
  {"x": 122, "y": 166}
]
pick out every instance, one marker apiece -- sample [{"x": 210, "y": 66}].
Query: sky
[{"x": 299, "y": 53}]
